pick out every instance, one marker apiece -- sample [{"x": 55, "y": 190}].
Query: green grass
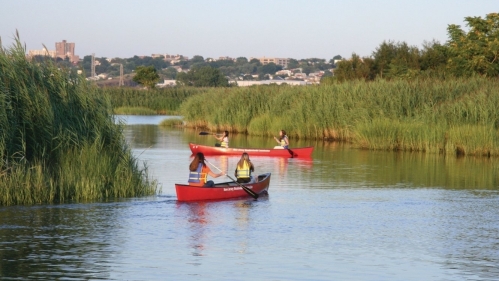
[
  {"x": 172, "y": 122},
  {"x": 58, "y": 139},
  {"x": 454, "y": 116},
  {"x": 128, "y": 110},
  {"x": 162, "y": 101}
]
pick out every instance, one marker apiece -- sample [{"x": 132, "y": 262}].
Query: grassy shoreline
[
  {"x": 456, "y": 116},
  {"x": 133, "y": 101},
  {"x": 58, "y": 139},
  {"x": 451, "y": 117}
]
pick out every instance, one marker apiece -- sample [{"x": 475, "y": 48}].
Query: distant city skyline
[{"x": 285, "y": 29}]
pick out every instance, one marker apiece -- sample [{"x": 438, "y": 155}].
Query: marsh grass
[
  {"x": 454, "y": 116},
  {"x": 172, "y": 122},
  {"x": 128, "y": 110},
  {"x": 161, "y": 101},
  {"x": 58, "y": 139}
]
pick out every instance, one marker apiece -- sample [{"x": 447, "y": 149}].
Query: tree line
[
  {"x": 465, "y": 54},
  {"x": 240, "y": 67}
]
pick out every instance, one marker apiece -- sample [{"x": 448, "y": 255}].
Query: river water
[{"x": 343, "y": 214}]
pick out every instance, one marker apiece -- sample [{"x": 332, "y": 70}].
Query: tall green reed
[
  {"x": 162, "y": 101},
  {"x": 415, "y": 115},
  {"x": 58, "y": 139}
]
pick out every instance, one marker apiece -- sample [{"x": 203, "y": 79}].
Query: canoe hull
[
  {"x": 213, "y": 150},
  {"x": 226, "y": 190}
]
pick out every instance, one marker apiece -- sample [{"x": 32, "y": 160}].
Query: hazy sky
[{"x": 213, "y": 28}]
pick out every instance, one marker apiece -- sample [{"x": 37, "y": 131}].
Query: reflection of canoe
[
  {"x": 213, "y": 150},
  {"x": 224, "y": 190}
]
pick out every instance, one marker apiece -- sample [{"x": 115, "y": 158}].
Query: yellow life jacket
[
  {"x": 225, "y": 142},
  {"x": 283, "y": 142},
  {"x": 243, "y": 172}
]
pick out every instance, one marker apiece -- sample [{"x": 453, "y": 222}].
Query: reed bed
[
  {"x": 454, "y": 116},
  {"x": 173, "y": 122},
  {"x": 162, "y": 101},
  {"x": 58, "y": 139},
  {"x": 136, "y": 110}
]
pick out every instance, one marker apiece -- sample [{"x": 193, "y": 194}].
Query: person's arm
[
  {"x": 277, "y": 140},
  {"x": 213, "y": 174},
  {"x": 286, "y": 140},
  {"x": 252, "y": 168},
  {"x": 219, "y": 139}
]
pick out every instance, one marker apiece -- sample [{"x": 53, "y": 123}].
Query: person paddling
[
  {"x": 199, "y": 172},
  {"x": 244, "y": 169},
  {"x": 283, "y": 140},
  {"x": 224, "y": 140}
]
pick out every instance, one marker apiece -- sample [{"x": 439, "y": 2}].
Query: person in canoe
[
  {"x": 199, "y": 172},
  {"x": 283, "y": 140},
  {"x": 244, "y": 169},
  {"x": 224, "y": 140}
]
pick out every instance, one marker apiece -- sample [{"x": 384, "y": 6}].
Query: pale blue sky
[{"x": 213, "y": 28}]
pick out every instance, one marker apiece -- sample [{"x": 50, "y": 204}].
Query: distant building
[
  {"x": 64, "y": 49},
  {"x": 226, "y": 58},
  {"x": 42, "y": 52},
  {"x": 171, "y": 58},
  {"x": 278, "y": 61},
  {"x": 178, "y": 68},
  {"x": 284, "y": 72},
  {"x": 268, "y": 82},
  {"x": 167, "y": 83}
]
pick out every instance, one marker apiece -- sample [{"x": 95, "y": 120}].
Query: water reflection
[
  {"x": 44, "y": 241},
  {"x": 203, "y": 218},
  {"x": 334, "y": 164},
  {"x": 197, "y": 218},
  {"x": 142, "y": 136}
]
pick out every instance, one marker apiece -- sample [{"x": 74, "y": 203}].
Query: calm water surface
[{"x": 344, "y": 214}]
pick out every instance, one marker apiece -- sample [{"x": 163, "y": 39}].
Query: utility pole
[
  {"x": 121, "y": 75},
  {"x": 92, "y": 67}
]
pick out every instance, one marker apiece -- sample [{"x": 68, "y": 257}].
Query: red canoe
[
  {"x": 224, "y": 190},
  {"x": 213, "y": 150}
]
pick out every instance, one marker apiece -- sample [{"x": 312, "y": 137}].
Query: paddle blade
[
  {"x": 250, "y": 192},
  {"x": 204, "y": 133}
]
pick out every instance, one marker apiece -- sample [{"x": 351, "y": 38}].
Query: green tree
[
  {"x": 292, "y": 64},
  {"x": 475, "y": 51},
  {"x": 248, "y": 68},
  {"x": 269, "y": 68},
  {"x": 434, "y": 57},
  {"x": 202, "y": 77},
  {"x": 241, "y": 61},
  {"x": 383, "y": 56},
  {"x": 393, "y": 60},
  {"x": 255, "y": 62},
  {"x": 169, "y": 73},
  {"x": 103, "y": 66},
  {"x": 354, "y": 68},
  {"x": 146, "y": 76}
]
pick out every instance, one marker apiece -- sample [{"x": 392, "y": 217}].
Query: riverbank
[
  {"x": 59, "y": 142},
  {"x": 451, "y": 117},
  {"x": 134, "y": 101}
]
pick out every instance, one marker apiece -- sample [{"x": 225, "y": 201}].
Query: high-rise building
[{"x": 64, "y": 49}]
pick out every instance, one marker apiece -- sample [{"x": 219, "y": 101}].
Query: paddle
[
  {"x": 249, "y": 191},
  {"x": 206, "y": 133}
]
